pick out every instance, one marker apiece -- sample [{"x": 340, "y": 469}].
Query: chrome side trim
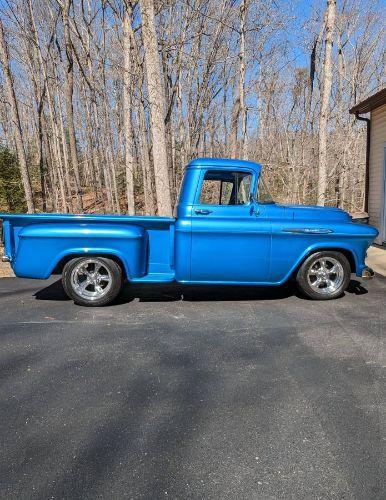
[{"x": 307, "y": 230}]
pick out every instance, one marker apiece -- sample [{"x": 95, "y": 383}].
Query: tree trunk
[
  {"x": 39, "y": 88},
  {"x": 243, "y": 111},
  {"x": 156, "y": 92},
  {"x": 16, "y": 124},
  {"x": 127, "y": 125},
  {"x": 324, "y": 104},
  {"x": 234, "y": 126},
  {"x": 63, "y": 141},
  {"x": 68, "y": 93},
  {"x": 146, "y": 167}
]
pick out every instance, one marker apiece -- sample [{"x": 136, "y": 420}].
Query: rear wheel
[
  {"x": 92, "y": 281},
  {"x": 324, "y": 275}
]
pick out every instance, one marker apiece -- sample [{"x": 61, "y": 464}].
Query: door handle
[{"x": 201, "y": 211}]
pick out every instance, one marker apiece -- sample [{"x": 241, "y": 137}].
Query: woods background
[{"x": 102, "y": 103}]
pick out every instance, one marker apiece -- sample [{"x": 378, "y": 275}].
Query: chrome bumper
[{"x": 367, "y": 273}]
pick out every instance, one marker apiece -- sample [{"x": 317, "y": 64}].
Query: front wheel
[
  {"x": 92, "y": 281},
  {"x": 324, "y": 275}
]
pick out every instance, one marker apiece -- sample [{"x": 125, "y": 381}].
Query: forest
[{"x": 103, "y": 102}]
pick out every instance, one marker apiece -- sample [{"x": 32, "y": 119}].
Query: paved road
[{"x": 234, "y": 393}]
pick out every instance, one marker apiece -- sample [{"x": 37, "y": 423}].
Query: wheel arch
[
  {"x": 349, "y": 254},
  {"x": 58, "y": 269}
]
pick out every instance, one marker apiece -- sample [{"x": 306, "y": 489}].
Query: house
[{"x": 375, "y": 188}]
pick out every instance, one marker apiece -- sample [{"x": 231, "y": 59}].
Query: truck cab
[
  {"x": 226, "y": 223},
  {"x": 227, "y": 231}
]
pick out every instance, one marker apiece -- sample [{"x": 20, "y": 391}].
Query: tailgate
[{"x": 6, "y": 239}]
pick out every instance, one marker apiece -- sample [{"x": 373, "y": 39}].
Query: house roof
[{"x": 372, "y": 102}]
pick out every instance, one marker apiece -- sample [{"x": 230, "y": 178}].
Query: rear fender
[{"x": 43, "y": 246}]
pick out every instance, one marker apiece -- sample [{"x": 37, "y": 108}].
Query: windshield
[{"x": 263, "y": 194}]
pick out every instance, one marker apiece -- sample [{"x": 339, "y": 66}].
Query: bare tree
[
  {"x": 16, "y": 125},
  {"x": 324, "y": 101},
  {"x": 157, "y": 107},
  {"x": 243, "y": 111},
  {"x": 127, "y": 104},
  {"x": 112, "y": 104},
  {"x": 69, "y": 89}
]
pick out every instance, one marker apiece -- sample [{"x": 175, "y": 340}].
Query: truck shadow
[{"x": 173, "y": 292}]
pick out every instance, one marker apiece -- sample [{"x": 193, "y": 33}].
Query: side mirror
[{"x": 254, "y": 210}]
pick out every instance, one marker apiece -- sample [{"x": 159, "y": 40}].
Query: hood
[{"x": 311, "y": 212}]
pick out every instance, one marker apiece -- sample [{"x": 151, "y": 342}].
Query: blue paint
[{"x": 251, "y": 243}]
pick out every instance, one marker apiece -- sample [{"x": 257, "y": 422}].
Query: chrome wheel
[
  {"x": 326, "y": 275},
  {"x": 91, "y": 280}
]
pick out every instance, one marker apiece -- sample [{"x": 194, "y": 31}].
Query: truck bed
[{"x": 35, "y": 244}]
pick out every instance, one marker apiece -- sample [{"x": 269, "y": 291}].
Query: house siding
[{"x": 376, "y": 181}]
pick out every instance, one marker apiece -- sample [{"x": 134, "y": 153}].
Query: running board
[{"x": 155, "y": 278}]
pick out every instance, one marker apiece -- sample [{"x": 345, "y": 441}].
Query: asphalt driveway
[{"x": 235, "y": 393}]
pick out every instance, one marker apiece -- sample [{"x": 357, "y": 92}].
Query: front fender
[
  {"x": 320, "y": 246},
  {"x": 290, "y": 247},
  {"x": 42, "y": 246}
]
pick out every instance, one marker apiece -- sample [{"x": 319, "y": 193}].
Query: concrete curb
[{"x": 376, "y": 259}]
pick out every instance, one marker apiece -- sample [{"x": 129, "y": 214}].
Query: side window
[
  {"x": 263, "y": 194},
  {"x": 244, "y": 190},
  {"x": 226, "y": 192},
  {"x": 210, "y": 192},
  {"x": 223, "y": 187}
]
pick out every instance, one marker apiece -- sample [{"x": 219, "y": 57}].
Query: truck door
[{"x": 230, "y": 240}]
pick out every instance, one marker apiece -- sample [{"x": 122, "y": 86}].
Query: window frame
[{"x": 222, "y": 169}]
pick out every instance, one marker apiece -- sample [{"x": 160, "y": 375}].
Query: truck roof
[{"x": 223, "y": 162}]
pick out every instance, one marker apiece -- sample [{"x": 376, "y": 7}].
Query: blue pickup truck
[{"x": 227, "y": 231}]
